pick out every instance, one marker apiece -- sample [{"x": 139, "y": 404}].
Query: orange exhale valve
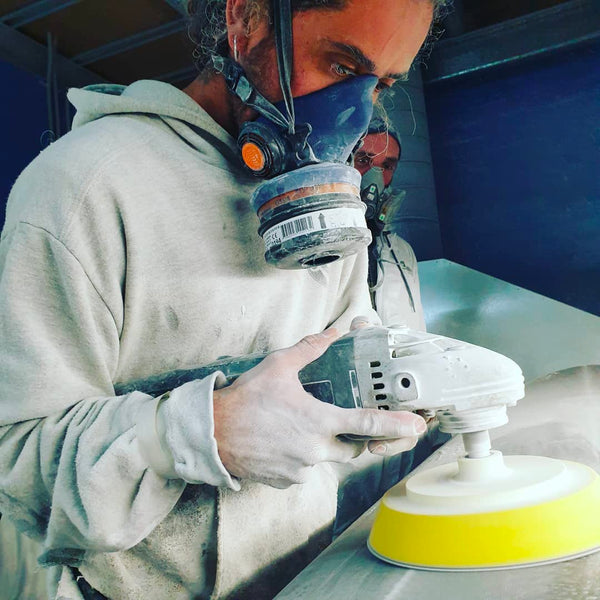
[{"x": 253, "y": 156}]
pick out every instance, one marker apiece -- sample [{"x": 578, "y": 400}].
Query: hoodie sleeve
[{"x": 75, "y": 471}]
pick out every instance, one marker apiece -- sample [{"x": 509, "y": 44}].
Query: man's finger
[
  {"x": 343, "y": 450},
  {"x": 392, "y": 447},
  {"x": 382, "y": 424}
]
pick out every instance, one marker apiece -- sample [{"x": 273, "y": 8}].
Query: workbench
[{"x": 559, "y": 417}]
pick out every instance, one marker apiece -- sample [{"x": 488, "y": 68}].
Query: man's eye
[
  {"x": 341, "y": 70},
  {"x": 384, "y": 84}
]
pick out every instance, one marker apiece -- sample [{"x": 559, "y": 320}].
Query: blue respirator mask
[{"x": 309, "y": 205}]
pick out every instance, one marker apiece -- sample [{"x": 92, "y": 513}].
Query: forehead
[
  {"x": 389, "y": 32},
  {"x": 380, "y": 144}
]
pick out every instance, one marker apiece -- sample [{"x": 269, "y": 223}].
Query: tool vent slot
[{"x": 378, "y": 383}]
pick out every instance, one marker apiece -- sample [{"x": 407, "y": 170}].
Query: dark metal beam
[
  {"x": 133, "y": 41},
  {"x": 27, "y": 54},
  {"x": 178, "y": 5},
  {"x": 34, "y": 11},
  {"x": 538, "y": 33}
]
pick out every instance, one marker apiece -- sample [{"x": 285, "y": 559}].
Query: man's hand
[{"x": 269, "y": 429}]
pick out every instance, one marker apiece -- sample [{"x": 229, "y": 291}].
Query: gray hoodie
[{"x": 129, "y": 249}]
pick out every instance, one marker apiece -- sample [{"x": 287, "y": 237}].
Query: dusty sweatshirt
[
  {"x": 397, "y": 294},
  {"x": 130, "y": 248}
]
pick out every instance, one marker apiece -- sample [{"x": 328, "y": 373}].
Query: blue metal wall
[
  {"x": 516, "y": 156},
  {"x": 23, "y": 121}
]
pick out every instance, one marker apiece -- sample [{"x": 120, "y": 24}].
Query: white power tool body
[{"x": 467, "y": 386}]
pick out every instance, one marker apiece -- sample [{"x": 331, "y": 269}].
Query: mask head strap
[
  {"x": 282, "y": 19},
  {"x": 269, "y": 152},
  {"x": 238, "y": 83}
]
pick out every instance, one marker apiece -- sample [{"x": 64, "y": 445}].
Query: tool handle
[
  {"x": 155, "y": 385},
  {"x": 328, "y": 378}
]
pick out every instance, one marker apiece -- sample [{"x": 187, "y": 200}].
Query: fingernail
[
  {"x": 359, "y": 322},
  {"x": 330, "y": 332},
  {"x": 420, "y": 427},
  {"x": 379, "y": 449}
]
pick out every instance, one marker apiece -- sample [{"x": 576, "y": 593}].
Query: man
[
  {"x": 393, "y": 277},
  {"x": 130, "y": 249}
]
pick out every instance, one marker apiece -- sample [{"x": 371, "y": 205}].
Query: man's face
[
  {"x": 376, "y": 37},
  {"x": 378, "y": 150}
]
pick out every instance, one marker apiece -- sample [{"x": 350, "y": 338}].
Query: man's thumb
[{"x": 309, "y": 348}]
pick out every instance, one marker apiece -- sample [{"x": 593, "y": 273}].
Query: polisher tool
[{"x": 483, "y": 511}]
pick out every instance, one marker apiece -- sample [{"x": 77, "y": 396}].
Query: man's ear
[
  {"x": 236, "y": 15},
  {"x": 244, "y": 18}
]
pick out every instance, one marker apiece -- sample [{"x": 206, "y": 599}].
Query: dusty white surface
[{"x": 559, "y": 417}]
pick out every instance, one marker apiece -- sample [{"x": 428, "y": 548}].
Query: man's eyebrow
[
  {"x": 364, "y": 61},
  {"x": 357, "y": 54}
]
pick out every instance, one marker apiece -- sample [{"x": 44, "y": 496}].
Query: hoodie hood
[{"x": 152, "y": 98}]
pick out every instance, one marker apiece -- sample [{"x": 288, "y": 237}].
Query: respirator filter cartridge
[{"x": 311, "y": 216}]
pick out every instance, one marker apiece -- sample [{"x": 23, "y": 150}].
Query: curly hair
[
  {"x": 208, "y": 30},
  {"x": 207, "y": 27}
]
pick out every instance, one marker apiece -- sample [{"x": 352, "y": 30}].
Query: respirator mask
[
  {"x": 309, "y": 203},
  {"x": 381, "y": 203}
]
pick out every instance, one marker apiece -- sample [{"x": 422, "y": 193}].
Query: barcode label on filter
[
  {"x": 293, "y": 228},
  {"x": 331, "y": 218}
]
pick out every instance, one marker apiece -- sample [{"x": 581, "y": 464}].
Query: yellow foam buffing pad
[{"x": 490, "y": 513}]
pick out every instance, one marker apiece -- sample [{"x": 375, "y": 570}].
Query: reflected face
[
  {"x": 378, "y": 150},
  {"x": 376, "y": 37}
]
